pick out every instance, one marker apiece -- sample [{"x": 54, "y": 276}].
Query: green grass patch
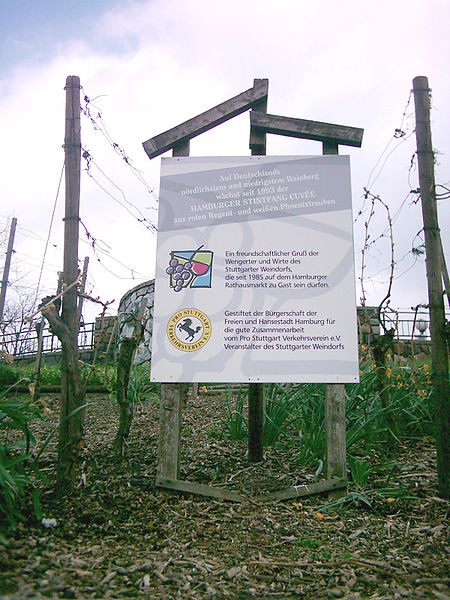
[
  {"x": 18, "y": 468},
  {"x": 294, "y": 417}
]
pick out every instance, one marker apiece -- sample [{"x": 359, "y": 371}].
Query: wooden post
[
  {"x": 83, "y": 287},
  {"x": 256, "y": 390},
  {"x": 335, "y": 426},
  {"x": 445, "y": 277},
  {"x": 439, "y": 355},
  {"x": 9, "y": 251},
  {"x": 171, "y": 406},
  {"x": 71, "y": 417},
  {"x": 335, "y": 434},
  {"x": 40, "y": 326},
  {"x": 72, "y": 147}
]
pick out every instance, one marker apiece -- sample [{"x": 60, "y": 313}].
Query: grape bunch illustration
[
  {"x": 190, "y": 268},
  {"x": 180, "y": 273}
]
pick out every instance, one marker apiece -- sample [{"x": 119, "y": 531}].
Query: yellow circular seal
[{"x": 189, "y": 329}]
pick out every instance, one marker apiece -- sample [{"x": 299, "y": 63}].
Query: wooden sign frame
[{"x": 178, "y": 139}]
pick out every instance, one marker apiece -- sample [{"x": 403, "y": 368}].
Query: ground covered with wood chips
[{"x": 118, "y": 536}]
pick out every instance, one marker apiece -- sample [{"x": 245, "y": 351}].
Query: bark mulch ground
[{"x": 118, "y": 536}]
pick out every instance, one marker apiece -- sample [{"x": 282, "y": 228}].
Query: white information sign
[{"x": 255, "y": 271}]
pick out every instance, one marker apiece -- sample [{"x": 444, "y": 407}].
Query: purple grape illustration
[{"x": 186, "y": 267}]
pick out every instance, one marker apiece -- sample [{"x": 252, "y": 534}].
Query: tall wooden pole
[
  {"x": 9, "y": 251},
  {"x": 439, "y": 350},
  {"x": 445, "y": 277},
  {"x": 71, "y": 416},
  {"x": 256, "y": 390},
  {"x": 72, "y": 147}
]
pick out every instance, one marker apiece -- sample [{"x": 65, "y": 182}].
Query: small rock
[
  {"x": 48, "y": 523},
  {"x": 336, "y": 593},
  {"x": 233, "y": 572},
  {"x": 107, "y": 578},
  {"x": 77, "y": 562},
  {"x": 145, "y": 582}
]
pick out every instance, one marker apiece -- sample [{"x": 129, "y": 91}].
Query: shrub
[
  {"x": 17, "y": 465},
  {"x": 235, "y": 422},
  {"x": 8, "y": 375},
  {"x": 280, "y": 405},
  {"x": 140, "y": 388},
  {"x": 99, "y": 375}
]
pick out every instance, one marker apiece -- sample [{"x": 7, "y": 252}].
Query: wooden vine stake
[
  {"x": 66, "y": 325},
  {"x": 434, "y": 268},
  {"x": 72, "y": 389}
]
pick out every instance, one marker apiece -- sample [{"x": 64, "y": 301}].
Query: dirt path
[{"x": 120, "y": 537}]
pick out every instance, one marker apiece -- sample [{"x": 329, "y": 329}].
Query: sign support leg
[
  {"x": 335, "y": 426},
  {"x": 171, "y": 407},
  {"x": 256, "y": 390},
  {"x": 335, "y": 435},
  {"x": 169, "y": 431}
]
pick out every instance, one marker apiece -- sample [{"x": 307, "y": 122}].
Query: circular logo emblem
[{"x": 189, "y": 329}]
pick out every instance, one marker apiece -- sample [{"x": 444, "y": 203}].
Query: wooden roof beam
[
  {"x": 251, "y": 98},
  {"x": 310, "y": 130}
]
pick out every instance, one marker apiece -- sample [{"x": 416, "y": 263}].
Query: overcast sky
[{"x": 149, "y": 65}]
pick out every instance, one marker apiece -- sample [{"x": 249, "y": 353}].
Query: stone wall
[
  {"x": 417, "y": 348},
  {"x": 111, "y": 329},
  {"x": 105, "y": 337},
  {"x": 369, "y": 328},
  {"x": 368, "y": 323},
  {"x": 129, "y": 306}
]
